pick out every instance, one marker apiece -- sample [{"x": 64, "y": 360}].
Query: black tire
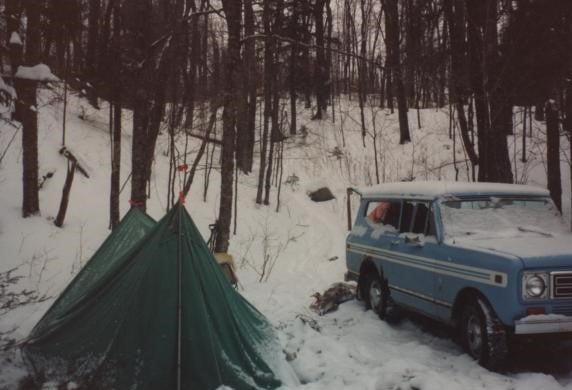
[
  {"x": 377, "y": 298},
  {"x": 374, "y": 294},
  {"x": 483, "y": 335}
]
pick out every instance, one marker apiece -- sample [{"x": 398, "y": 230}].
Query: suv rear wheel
[
  {"x": 375, "y": 296},
  {"x": 378, "y": 298}
]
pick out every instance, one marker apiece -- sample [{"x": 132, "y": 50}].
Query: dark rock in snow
[{"x": 321, "y": 195}]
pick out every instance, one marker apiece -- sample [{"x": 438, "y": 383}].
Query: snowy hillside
[{"x": 303, "y": 243}]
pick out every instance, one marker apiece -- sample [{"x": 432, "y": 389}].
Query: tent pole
[{"x": 179, "y": 298}]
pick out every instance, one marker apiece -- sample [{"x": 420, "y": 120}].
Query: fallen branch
[
  {"x": 205, "y": 138},
  {"x": 9, "y": 299},
  {"x": 9, "y": 144},
  {"x": 66, "y": 194}
]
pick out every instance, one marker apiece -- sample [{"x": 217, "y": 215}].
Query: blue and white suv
[{"x": 493, "y": 260}]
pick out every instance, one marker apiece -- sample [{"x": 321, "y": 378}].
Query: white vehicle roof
[{"x": 435, "y": 189}]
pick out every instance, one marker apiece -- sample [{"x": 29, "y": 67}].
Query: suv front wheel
[{"x": 483, "y": 335}]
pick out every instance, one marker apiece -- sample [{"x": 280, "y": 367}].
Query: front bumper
[{"x": 541, "y": 324}]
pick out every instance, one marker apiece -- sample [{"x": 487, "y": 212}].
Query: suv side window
[
  {"x": 417, "y": 218},
  {"x": 420, "y": 223},
  {"x": 384, "y": 213},
  {"x": 430, "y": 230},
  {"x": 407, "y": 216}
]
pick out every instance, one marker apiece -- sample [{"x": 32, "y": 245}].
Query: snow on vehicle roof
[{"x": 434, "y": 189}]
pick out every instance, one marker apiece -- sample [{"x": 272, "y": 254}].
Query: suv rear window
[{"x": 384, "y": 213}]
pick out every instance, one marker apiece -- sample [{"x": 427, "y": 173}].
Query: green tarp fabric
[{"x": 157, "y": 314}]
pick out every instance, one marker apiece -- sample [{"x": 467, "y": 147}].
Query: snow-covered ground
[{"x": 304, "y": 243}]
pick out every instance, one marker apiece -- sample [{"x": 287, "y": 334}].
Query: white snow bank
[{"x": 544, "y": 317}]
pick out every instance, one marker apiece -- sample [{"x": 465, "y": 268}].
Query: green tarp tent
[{"x": 153, "y": 310}]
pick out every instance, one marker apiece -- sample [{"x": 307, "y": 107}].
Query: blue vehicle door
[{"x": 413, "y": 253}]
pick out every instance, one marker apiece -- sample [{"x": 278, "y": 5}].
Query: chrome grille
[
  {"x": 562, "y": 309},
  {"x": 562, "y": 284}
]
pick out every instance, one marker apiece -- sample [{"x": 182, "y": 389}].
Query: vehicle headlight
[{"x": 535, "y": 285}]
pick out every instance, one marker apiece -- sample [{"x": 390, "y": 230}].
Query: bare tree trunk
[
  {"x": 362, "y": 68},
  {"x": 243, "y": 132},
  {"x": 347, "y": 30},
  {"x": 457, "y": 33},
  {"x": 292, "y": 79},
  {"x": 247, "y": 116},
  {"x": 307, "y": 80},
  {"x": 268, "y": 70},
  {"x": 553, "y": 154},
  {"x": 388, "y": 80},
  {"x": 27, "y": 99},
  {"x": 500, "y": 103},
  {"x": 568, "y": 123},
  {"x": 141, "y": 115},
  {"x": 280, "y": 168},
  {"x": 412, "y": 41},
  {"x": 209, "y": 164},
  {"x": 115, "y": 165},
  {"x": 232, "y": 10},
  {"x": 252, "y": 86},
  {"x": 116, "y": 107},
  {"x": 292, "y": 90},
  {"x": 320, "y": 63},
  {"x": 328, "y": 60},
  {"x": 149, "y": 100},
  {"x": 268, "y": 178},
  {"x": 138, "y": 155},
  {"x": 91, "y": 54},
  {"x": 27, "y": 107},
  {"x": 33, "y": 33},
  {"x": 275, "y": 132},
  {"x": 444, "y": 45},
  {"x": 538, "y": 112},
  {"x": 524, "y": 118},
  {"x": 191, "y": 46},
  {"x": 392, "y": 32},
  {"x": 476, "y": 60}
]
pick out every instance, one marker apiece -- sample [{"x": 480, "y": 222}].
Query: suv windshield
[{"x": 496, "y": 217}]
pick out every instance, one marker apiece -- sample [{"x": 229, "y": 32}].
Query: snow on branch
[
  {"x": 15, "y": 39},
  {"x": 7, "y": 90},
  {"x": 40, "y": 72}
]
